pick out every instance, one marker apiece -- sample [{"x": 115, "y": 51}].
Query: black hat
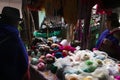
[
  {"x": 10, "y": 12},
  {"x": 113, "y": 16}
]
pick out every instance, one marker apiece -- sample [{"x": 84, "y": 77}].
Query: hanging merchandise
[
  {"x": 36, "y": 5},
  {"x": 49, "y": 8},
  {"x": 53, "y": 8},
  {"x": 102, "y": 10},
  {"x": 57, "y": 4},
  {"x": 70, "y": 10},
  {"x": 58, "y": 8}
]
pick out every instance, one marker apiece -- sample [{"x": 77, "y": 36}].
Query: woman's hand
[{"x": 107, "y": 42}]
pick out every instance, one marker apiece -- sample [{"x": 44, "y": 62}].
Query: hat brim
[{"x": 18, "y": 19}]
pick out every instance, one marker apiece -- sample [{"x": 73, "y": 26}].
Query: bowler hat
[{"x": 10, "y": 12}]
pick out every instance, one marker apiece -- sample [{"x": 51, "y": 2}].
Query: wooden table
[{"x": 41, "y": 75}]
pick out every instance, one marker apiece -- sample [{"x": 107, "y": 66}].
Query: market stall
[
  {"x": 53, "y": 60},
  {"x": 64, "y": 62}
]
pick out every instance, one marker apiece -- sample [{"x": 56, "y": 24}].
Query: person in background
[
  {"x": 13, "y": 54},
  {"x": 19, "y": 28},
  {"x": 110, "y": 38}
]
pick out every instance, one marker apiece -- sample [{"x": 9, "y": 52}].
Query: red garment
[{"x": 27, "y": 75}]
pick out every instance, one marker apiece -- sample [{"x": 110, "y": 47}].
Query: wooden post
[{"x": 26, "y": 17}]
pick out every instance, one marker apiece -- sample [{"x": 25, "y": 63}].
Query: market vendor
[{"x": 109, "y": 39}]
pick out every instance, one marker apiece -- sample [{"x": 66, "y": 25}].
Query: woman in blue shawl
[
  {"x": 110, "y": 38},
  {"x": 13, "y": 54}
]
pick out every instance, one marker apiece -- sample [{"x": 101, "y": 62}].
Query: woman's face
[{"x": 108, "y": 24}]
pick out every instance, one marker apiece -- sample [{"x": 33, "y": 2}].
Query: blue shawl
[{"x": 13, "y": 54}]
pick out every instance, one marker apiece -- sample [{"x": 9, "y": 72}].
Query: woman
[
  {"x": 14, "y": 58},
  {"x": 110, "y": 38}
]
